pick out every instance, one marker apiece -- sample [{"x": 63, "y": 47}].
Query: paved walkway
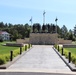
[{"x": 40, "y": 57}]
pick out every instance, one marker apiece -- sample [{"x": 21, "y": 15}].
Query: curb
[
  {"x": 5, "y": 66},
  {"x": 66, "y": 62}
]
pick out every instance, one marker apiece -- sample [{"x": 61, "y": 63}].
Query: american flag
[
  {"x": 30, "y": 19},
  {"x": 56, "y": 19},
  {"x": 44, "y": 13}
]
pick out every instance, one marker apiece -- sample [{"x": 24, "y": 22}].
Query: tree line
[{"x": 18, "y": 31}]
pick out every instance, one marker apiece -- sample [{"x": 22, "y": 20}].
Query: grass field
[
  {"x": 72, "y": 50},
  {"x": 6, "y": 49},
  {"x": 66, "y": 51},
  {"x": 73, "y": 54},
  {"x": 5, "y": 52}
]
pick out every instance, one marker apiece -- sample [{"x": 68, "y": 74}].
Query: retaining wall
[{"x": 69, "y": 46}]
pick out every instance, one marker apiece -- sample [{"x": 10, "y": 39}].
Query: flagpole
[
  {"x": 31, "y": 23},
  {"x": 44, "y": 18},
  {"x": 56, "y": 23},
  {"x": 56, "y": 30}
]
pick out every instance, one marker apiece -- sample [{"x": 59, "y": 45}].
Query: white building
[{"x": 4, "y": 35}]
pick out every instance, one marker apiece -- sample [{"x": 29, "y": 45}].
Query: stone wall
[
  {"x": 43, "y": 38},
  {"x": 69, "y": 46},
  {"x": 19, "y": 41},
  {"x": 15, "y": 44},
  {"x": 62, "y": 41}
]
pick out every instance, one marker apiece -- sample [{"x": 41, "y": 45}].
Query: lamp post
[{"x": 56, "y": 23}]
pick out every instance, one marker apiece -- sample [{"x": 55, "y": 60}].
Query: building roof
[{"x": 3, "y": 32}]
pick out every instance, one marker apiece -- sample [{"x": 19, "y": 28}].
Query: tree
[
  {"x": 64, "y": 32},
  {"x": 15, "y": 34},
  {"x": 48, "y": 28},
  {"x": 6, "y": 25},
  {"x": 53, "y": 28},
  {"x": 21, "y": 31},
  {"x": 33, "y": 28},
  {"x": 58, "y": 30},
  {"x": 43, "y": 28},
  {"x": 75, "y": 30},
  {"x": 38, "y": 27},
  {"x": 71, "y": 36},
  {"x": 10, "y": 25},
  {"x": 19, "y": 36}
]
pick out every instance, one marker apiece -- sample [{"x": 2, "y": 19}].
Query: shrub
[
  {"x": 66, "y": 54},
  {"x": 1, "y": 40},
  {"x": 16, "y": 52},
  {"x": 31, "y": 45},
  {"x": 55, "y": 46},
  {"x": 7, "y": 57},
  {"x": 73, "y": 59},
  {"x": 28, "y": 46},
  {"x": 2, "y": 60},
  {"x": 25, "y": 47}
]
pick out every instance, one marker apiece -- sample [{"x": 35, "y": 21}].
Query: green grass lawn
[
  {"x": 5, "y": 52},
  {"x": 6, "y": 49},
  {"x": 73, "y": 54},
  {"x": 72, "y": 50},
  {"x": 66, "y": 51}
]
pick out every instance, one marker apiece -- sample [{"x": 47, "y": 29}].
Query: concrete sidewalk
[
  {"x": 31, "y": 73},
  {"x": 40, "y": 57}
]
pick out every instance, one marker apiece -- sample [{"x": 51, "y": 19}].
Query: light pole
[
  {"x": 44, "y": 17},
  {"x": 56, "y": 23}
]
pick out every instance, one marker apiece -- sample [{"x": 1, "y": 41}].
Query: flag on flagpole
[
  {"x": 56, "y": 19},
  {"x": 44, "y": 13},
  {"x": 30, "y": 19}
]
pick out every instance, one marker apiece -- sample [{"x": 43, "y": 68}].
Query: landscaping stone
[
  {"x": 69, "y": 46},
  {"x": 14, "y": 44}
]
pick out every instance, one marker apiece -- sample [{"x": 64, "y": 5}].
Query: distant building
[{"x": 4, "y": 35}]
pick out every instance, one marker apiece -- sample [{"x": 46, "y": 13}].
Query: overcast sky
[{"x": 20, "y": 11}]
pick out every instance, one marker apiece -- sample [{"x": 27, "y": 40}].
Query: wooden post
[
  {"x": 58, "y": 48},
  {"x": 20, "y": 50},
  {"x": 62, "y": 51},
  {"x": 25, "y": 47},
  {"x": 11, "y": 55},
  {"x": 69, "y": 57}
]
